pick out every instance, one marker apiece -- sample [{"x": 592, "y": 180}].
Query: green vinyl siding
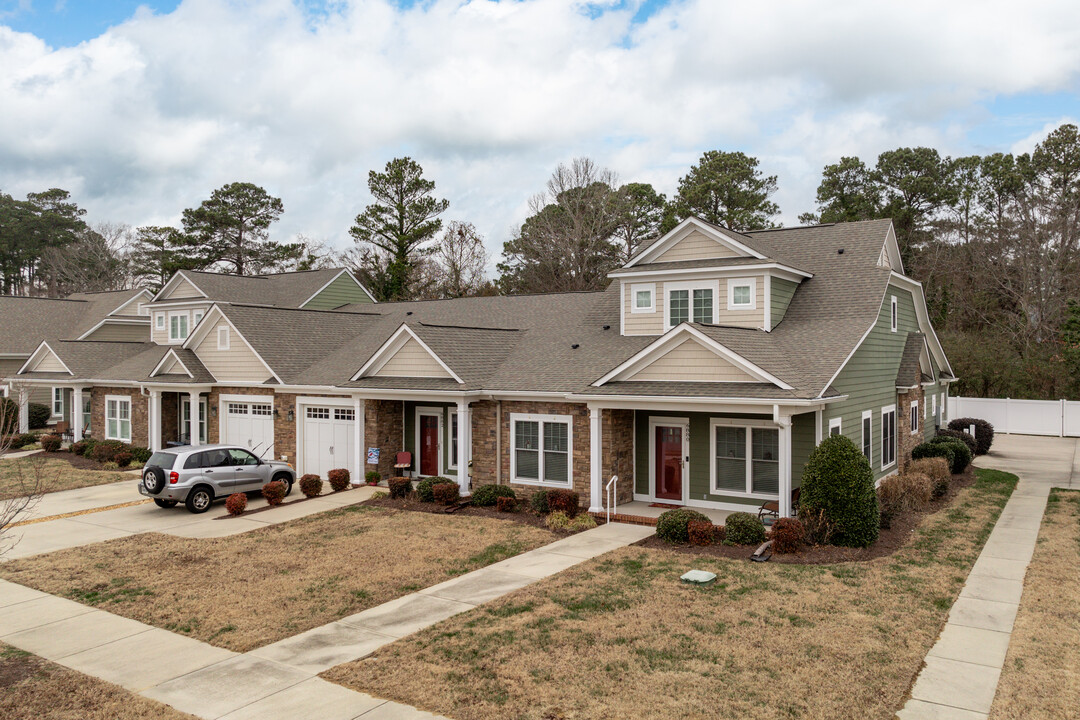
[
  {"x": 342, "y": 291},
  {"x": 803, "y": 442},
  {"x": 782, "y": 291},
  {"x": 869, "y": 378},
  {"x": 410, "y": 433}
]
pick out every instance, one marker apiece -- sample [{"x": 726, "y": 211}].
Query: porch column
[
  {"x": 463, "y": 446},
  {"x": 596, "y": 477},
  {"x": 818, "y": 419},
  {"x": 153, "y": 420},
  {"x": 24, "y": 408},
  {"x": 784, "y": 421},
  {"x": 76, "y": 414},
  {"x": 193, "y": 416},
  {"x": 358, "y": 441}
]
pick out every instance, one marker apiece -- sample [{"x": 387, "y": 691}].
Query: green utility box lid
[{"x": 699, "y": 577}]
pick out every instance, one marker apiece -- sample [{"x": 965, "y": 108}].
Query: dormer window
[
  {"x": 742, "y": 294},
  {"x": 644, "y": 297},
  {"x": 691, "y": 302}
]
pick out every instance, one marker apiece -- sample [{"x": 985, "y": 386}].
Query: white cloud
[{"x": 151, "y": 116}]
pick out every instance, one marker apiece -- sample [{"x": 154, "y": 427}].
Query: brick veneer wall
[
  {"x": 383, "y": 428},
  {"x": 170, "y": 417},
  {"x": 485, "y": 443},
  {"x": 139, "y": 435},
  {"x": 617, "y": 448},
  {"x": 580, "y": 437},
  {"x": 905, "y": 439}
]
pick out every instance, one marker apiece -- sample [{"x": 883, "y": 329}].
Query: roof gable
[
  {"x": 239, "y": 362},
  {"x": 179, "y": 287},
  {"x": 694, "y": 239},
  {"x": 406, "y": 355},
  {"x": 45, "y": 359},
  {"x": 170, "y": 365},
  {"x": 340, "y": 290}
]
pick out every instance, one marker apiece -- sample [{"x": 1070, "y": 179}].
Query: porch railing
[{"x": 612, "y": 492}]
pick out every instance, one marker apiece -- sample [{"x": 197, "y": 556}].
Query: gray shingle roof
[
  {"x": 910, "y": 370},
  {"x": 696, "y": 264},
  {"x": 26, "y": 321},
  {"x": 285, "y": 290}
]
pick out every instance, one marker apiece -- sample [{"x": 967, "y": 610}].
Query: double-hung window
[
  {"x": 742, "y": 294},
  {"x": 893, "y": 313},
  {"x": 691, "y": 302},
  {"x": 541, "y": 449},
  {"x": 868, "y": 435},
  {"x": 57, "y": 402},
  {"x": 835, "y": 426},
  {"x": 678, "y": 307},
  {"x": 914, "y": 416},
  {"x": 888, "y": 436},
  {"x": 746, "y": 459},
  {"x": 117, "y": 418},
  {"x": 178, "y": 326},
  {"x": 453, "y": 438}
]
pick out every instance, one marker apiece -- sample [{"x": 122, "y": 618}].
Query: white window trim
[
  {"x": 159, "y": 321},
  {"x": 196, "y": 316},
  {"x": 732, "y": 283},
  {"x": 524, "y": 417},
  {"x": 168, "y": 328},
  {"x": 669, "y": 288},
  {"x": 642, "y": 287},
  {"x": 894, "y": 314},
  {"x": 224, "y": 339},
  {"x": 57, "y": 391},
  {"x": 914, "y": 416},
  {"x": 451, "y": 413},
  {"x": 438, "y": 412},
  {"x": 204, "y": 420},
  {"x": 933, "y": 399},
  {"x": 119, "y": 399},
  {"x": 838, "y": 424},
  {"x": 749, "y": 425},
  {"x": 867, "y": 415},
  {"x": 885, "y": 411}
]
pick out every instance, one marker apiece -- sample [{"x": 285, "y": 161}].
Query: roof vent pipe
[
  {"x": 840, "y": 251},
  {"x": 575, "y": 346}
]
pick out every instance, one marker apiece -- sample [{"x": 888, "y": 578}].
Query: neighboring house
[{"x": 703, "y": 375}]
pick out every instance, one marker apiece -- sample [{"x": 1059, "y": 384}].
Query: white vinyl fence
[{"x": 1060, "y": 418}]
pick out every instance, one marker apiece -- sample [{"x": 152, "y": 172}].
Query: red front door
[
  {"x": 669, "y": 463},
  {"x": 429, "y": 444}
]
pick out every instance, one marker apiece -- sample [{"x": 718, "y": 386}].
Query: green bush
[
  {"x": 838, "y": 482},
  {"x": 487, "y": 495},
  {"x": 105, "y": 450},
  {"x": 962, "y": 456},
  {"x": 84, "y": 447},
  {"x": 399, "y": 486},
  {"x": 425, "y": 488},
  {"x": 140, "y": 454},
  {"x": 672, "y": 525},
  {"x": 743, "y": 529},
  {"x": 38, "y": 414},
  {"x": 984, "y": 432},
  {"x": 962, "y": 436},
  {"x": 935, "y": 450},
  {"x": 539, "y": 502},
  {"x": 372, "y": 477},
  {"x": 22, "y": 440}
]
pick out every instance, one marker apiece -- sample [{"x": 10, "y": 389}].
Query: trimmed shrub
[
  {"x": 984, "y": 432},
  {"x": 838, "y": 482},
  {"x": 700, "y": 532},
  {"x": 935, "y": 468},
  {"x": 787, "y": 535},
  {"x": 236, "y": 503},
  {"x": 960, "y": 435},
  {"x": 446, "y": 493},
  {"x": 905, "y": 492},
  {"x": 82, "y": 448},
  {"x": 123, "y": 458},
  {"x": 50, "y": 443},
  {"x": 672, "y": 525},
  {"x": 539, "y": 502},
  {"x": 339, "y": 479},
  {"x": 425, "y": 488},
  {"x": 558, "y": 521},
  {"x": 140, "y": 454},
  {"x": 106, "y": 450},
  {"x": 935, "y": 450},
  {"x": 742, "y": 528},
  {"x": 487, "y": 495},
  {"x": 372, "y": 477},
  {"x": 274, "y": 492},
  {"x": 311, "y": 485},
  {"x": 400, "y": 487},
  {"x": 109, "y": 466},
  {"x": 566, "y": 501},
  {"x": 506, "y": 504},
  {"x": 584, "y": 521},
  {"x": 21, "y": 441},
  {"x": 38, "y": 415},
  {"x": 962, "y": 457}
]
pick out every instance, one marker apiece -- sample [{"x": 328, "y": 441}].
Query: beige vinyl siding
[
  {"x": 342, "y": 291},
  {"x": 181, "y": 291},
  {"x": 237, "y": 364},
  {"x": 412, "y": 360},
  {"x": 653, "y": 323},
  {"x": 38, "y": 394},
  {"x": 742, "y": 318},
  {"x": 121, "y": 333},
  {"x": 132, "y": 308},
  {"x": 161, "y": 337},
  {"x": 692, "y": 362},
  {"x": 696, "y": 246},
  {"x": 782, "y": 292},
  {"x": 869, "y": 378},
  {"x": 643, "y": 323},
  {"x": 173, "y": 367},
  {"x": 48, "y": 362}
]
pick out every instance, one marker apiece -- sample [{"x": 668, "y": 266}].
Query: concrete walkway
[
  {"x": 961, "y": 674},
  {"x": 278, "y": 681}
]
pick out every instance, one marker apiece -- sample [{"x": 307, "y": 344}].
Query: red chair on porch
[
  {"x": 403, "y": 461},
  {"x": 771, "y": 508}
]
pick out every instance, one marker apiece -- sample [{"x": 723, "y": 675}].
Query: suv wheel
[
  {"x": 285, "y": 478},
  {"x": 153, "y": 480},
  {"x": 199, "y": 499}
]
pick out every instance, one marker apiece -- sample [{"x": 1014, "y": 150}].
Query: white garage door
[
  {"x": 329, "y": 439},
  {"x": 250, "y": 424}
]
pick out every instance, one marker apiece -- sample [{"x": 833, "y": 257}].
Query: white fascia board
[
  {"x": 115, "y": 321},
  {"x": 344, "y": 271},
  {"x": 175, "y": 279},
  {"x": 203, "y": 329},
  {"x": 382, "y": 356},
  {"x": 682, "y": 230},
  {"x": 171, "y": 354},
  {"x": 778, "y": 269},
  {"x": 44, "y": 347},
  {"x": 661, "y": 403},
  {"x": 133, "y": 298},
  {"x": 892, "y": 247},
  {"x": 923, "y": 316},
  {"x": 672, "y": 339}
]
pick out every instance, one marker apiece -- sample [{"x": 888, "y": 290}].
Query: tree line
[{"x": 995, "y": 240}]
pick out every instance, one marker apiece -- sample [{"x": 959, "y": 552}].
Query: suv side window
[
  {"x": 243, "y": 457},
  {"x": 195, "y": 460}
]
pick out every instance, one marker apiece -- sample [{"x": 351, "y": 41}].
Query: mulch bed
[
  {"x": 888, "y": 542},
  {"x": 284, "y": 503},
  {"x": 76, "y": 461},
  {"x": 525, "y": 515}
]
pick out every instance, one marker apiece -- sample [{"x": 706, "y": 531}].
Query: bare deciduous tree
[{"x": 28, "y": 474}]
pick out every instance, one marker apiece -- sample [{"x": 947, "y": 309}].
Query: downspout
[{"x": 498, "y": 442}]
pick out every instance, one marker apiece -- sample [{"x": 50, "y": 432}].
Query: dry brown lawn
[
  {"x": 245, "y": 591},
  {"x": 1041, "y": 677},
  {"x": 18, "y": 476},
  {"x": 31, "y": 687},
  {"x": 621, "y": 637}
]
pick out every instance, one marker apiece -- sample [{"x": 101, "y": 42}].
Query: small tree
[
  {"x": 728, "y": 189},
  {"x": 28, "y": 475},
  {"x": 837, "y": 482},
  {"x": 232, "y": 229}
]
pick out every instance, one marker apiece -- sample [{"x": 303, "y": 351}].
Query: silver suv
[{"x": 198, "y": 475}]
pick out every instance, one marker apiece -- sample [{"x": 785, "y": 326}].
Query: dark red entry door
[
  {"x": 669, "y": 466},
  {"x": 429, "y": 445}
]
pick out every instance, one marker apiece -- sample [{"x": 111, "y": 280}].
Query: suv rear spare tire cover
[{"x": 153, "y": 480}]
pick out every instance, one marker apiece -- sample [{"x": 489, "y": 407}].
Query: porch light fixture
[
  {"x": 291, "y": 416},
  {"x": 213, "y": 411}
]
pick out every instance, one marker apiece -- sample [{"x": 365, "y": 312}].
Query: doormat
[{"x": 666, "y": 505}]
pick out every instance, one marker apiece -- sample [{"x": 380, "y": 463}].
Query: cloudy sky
[{"x": 141, "y": 109}]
